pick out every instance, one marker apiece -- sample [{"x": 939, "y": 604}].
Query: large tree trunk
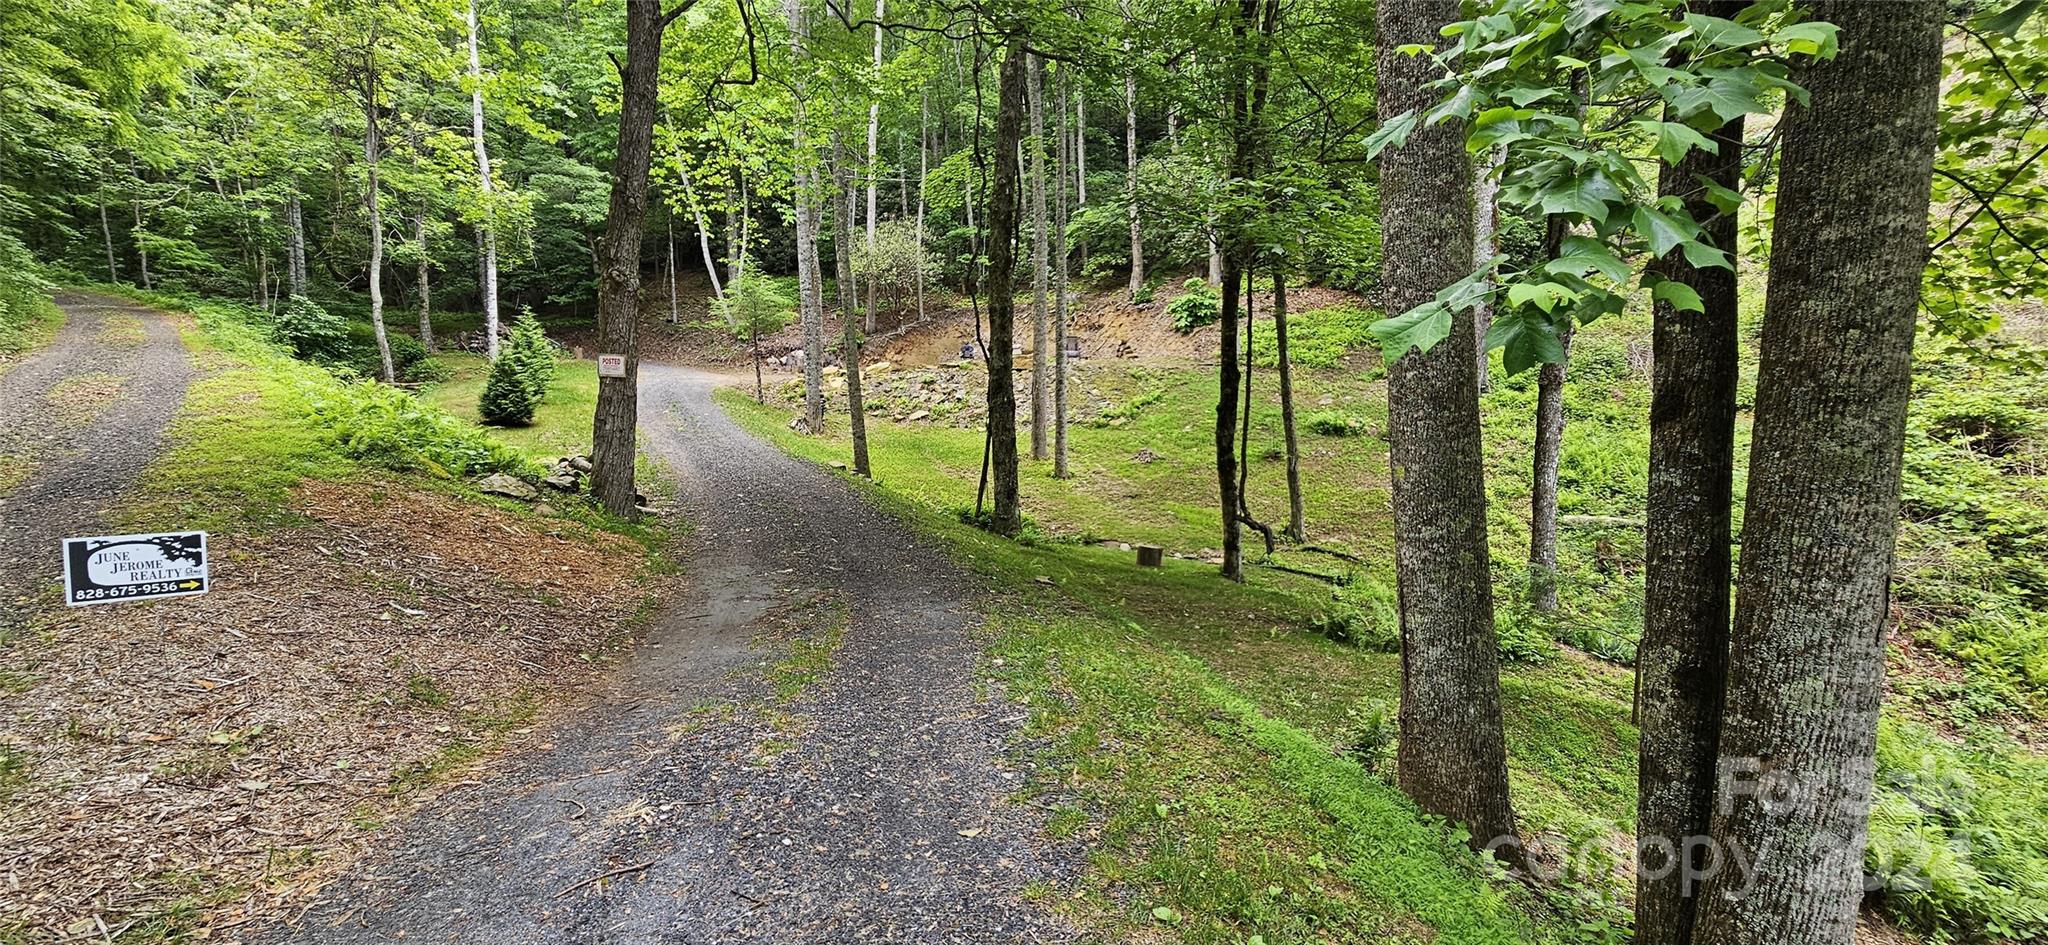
[
  {"x": 1682, "y": 660},
  {"x": 373, "y": 145},
  {"x": 1059, "y": 307},
  {"x": 1297, "y": 528},
  {"x": 810, "y": 283},
  {"x": 1230, "y": 373},
  {"x": 614, "y": 426},
  {"x": 845, "y": 222},
  {"x": 1806, "y": 664},
  {"x": 1001, "y": 286},
  {"x": 1452, "y": 756},
  {"x": 1131, "y": 165},
  {"x": 1549, "y": 446},
  {"x": 489, "y": 263},
  {"x": 703, "y": 234},
  {"x": 1040, "y": 263},
  {"x": 295, "y": 248},
  {"x": 426, "y": 265}
]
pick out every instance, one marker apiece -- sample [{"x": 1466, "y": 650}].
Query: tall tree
[
  {"x": 1806, "y": 661},
  {"x": 489, "y": 236},
  {"x": 873, "y": 172},
  {"x": 1131, "y": 156},
  {"x": 372, "y": 80},
  {"x": 810, "y": 283},
  {"x": 1040, "y": 259},
  {"x": 1549, "y": 448},
  {"x": 613, "y": 449},
  {"x": 1066, "y": 152},
  {"x": 1297, "y": 526},
  {"x": 1452, "y": 756},
  {"x": 1682, "y": 660},
  {"x": 845, "y": 224},
  {"x": 1002, "y": 291}
]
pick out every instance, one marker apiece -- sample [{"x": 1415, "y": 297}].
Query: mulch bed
[{"x": 213, "y": 759}]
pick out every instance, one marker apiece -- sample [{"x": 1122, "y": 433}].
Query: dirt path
[
  {"x": 78, "y": 422},
  {"x": 870, "y": 808}
]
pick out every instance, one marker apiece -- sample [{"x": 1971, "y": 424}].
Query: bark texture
[
  {"x": 1806, "y": 663},
  {"x": 614, "y": 425},
  {"x": 1452, "y": 757},
  {"x": 844, "y": 225},
  {"x": 810, "y": 283},
  {"x": 1549, "y": 446},
  {"x": 426, "y": 265},
  {"x": 1682, "y": 660},
  {"x": 373, "y": 150},
  {"x": 1002, "y": 292},
  {"x": 1131, "y": 166},
  {"x": 1066, "y": 152},
  {"x": 1485, "y": 221},
  {"x": 295, "y": 265},
  {"x": 1297, "y": 524}
]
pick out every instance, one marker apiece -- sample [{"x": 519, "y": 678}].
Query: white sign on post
[
  {"x": 611, "y": 365},
  {"x": 113, "y": 568}
]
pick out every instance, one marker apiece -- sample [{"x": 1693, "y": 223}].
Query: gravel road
[
  {"x": 79, "y": 420},
  {"x": 871, "y": 808}
]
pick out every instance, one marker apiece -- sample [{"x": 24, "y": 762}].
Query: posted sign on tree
[{"x": 134, "y": 567}]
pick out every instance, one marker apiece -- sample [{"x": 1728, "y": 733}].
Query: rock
[
  {"x": 511, "y": 487},
  {"x": 564, "y": 483},
  {"x": 881, "y": 367},
  {"x": 831, "y": 369},
  {"x": 837, "y": 464},
  {"x": 920, "y": 415},
  {"x": 545, "y": 510},
  {"x": 1145, "y": 456},
  {"x": 580, "y": 463}
]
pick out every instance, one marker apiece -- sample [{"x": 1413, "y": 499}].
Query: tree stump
[{"x": 1151, "y": 556}]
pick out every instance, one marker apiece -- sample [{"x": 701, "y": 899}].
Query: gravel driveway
[
  {"x": 871, "y": 808},
  {"x": 79, "y": 420}
]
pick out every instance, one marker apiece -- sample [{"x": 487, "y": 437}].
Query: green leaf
[
  {"x": 1723, "y": 198},
  {"x": 1727, "y": 34},
  {"x": 1674, "y": 139},
  {"x": 1526, "y": 339},
  {"x": 1811, "y": 39},
  {"x": 1703, "y": 256},
  {"x": 1678, "y": 295},
  {"x": 1458, "y": 105},
  {"x": 1393, "y": 132},
  {"x": 1419, "y": 328},
  {"x": 1588, "y": 195},
  {"x": 1582, "y": 254},
  {"x": 1165, "y": 914},
  {"x": 1663, "y": 232},
  {"x": 2010, "y": 19},
  {"x": 1587, "y": 12},
  {"x": 1728, "y": 98}
]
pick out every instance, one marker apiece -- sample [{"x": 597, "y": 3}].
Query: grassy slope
[
  {"x": 1971, "y": 857},
  {"x": 561, "y": 425}
]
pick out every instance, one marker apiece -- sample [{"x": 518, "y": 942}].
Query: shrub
[
  {"x": 1199, "y": 307},
  {"x": 309, "y": 330},
  {"x": 1315, "y": 338},
  {"x": 1332, "y": 423},
  {"x": 508, "y": 399},
  {"x": 533, "y": 355},
  {"x": 385, "y": 426}
]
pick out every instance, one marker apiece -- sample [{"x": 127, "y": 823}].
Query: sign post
[{"x": 109, "y": 569}]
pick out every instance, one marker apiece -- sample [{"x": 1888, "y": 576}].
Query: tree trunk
[
  {"x": 1806, "y": 664},
  {"x": 489, "y": 263},
  {"x": 1040, "y": 264},
  {"x": 1485, "y": 220},
  {"x": 923, "y": 167},
  {"x": 1549, "y": 445},
  {"x": 1131, "y": 165},
  {"x": 754, "y": 342},
  {"x": 873, "y": 172},
  {"x": 844, "y": 225},
  {"x": 1001, "y": 286},
  {"x": 373, "y": 145},
  {"x": 1297, "y": 529},
  {"x": 703, "y": 234},
  {"x": 613, "y": 428},
  {"x": 1452, "y": 756},
  {"x": 141, "y": 248},
  {"x": 419, "y": 235},
  {"x": 107, "y": 234},
  {"x": 296, "y": 246},
  {"x": 1682, "y": 660},
  {"x": 1230, "y": 373},
  {"x": 1080, "y": 148},
  {"x": 674, "y": 303},
  {"x": 810, "y": 283},
  {"x": 1060, "y": 305}
]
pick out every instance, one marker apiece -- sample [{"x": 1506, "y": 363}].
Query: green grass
[{"x": 561, "y": 426}]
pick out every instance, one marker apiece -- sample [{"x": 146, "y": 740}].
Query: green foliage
[
  {"x": 894, "y": 266},
  {"x": 23, "y": 303},
  {"x": 1334, "y": 423},
  {"x": 1959, "y": 835},
  {"x": 1197, "y": 307},
  {"x": 520, "y": 377},
  {"x": 384, "y": 426},
  {"x": 1315, "y": 338},
  {"x": 756, "y": 304},
  {"x": 310, "y": 330}
]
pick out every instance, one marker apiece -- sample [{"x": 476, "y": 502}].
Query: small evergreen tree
[
  {"x": 754, "y": 306},
  {"x": 520, "y": 377}
]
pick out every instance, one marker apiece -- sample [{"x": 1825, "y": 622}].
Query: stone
[
  {"x": 563, "y": 483},
  {"x": 920, "y": 415},
  {"x": 580, "y": 463},
  {"x": 1145, "y": 456},
  {"x": 880, "y": 367},
  {"x": 511, "y": 487},
  {"x": 838, "y": 464}
]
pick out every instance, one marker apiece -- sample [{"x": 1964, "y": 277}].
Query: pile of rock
[{"x": 567, "y": 474}]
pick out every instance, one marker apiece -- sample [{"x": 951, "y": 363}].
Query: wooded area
[{"x": 1491, "y": 179}]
